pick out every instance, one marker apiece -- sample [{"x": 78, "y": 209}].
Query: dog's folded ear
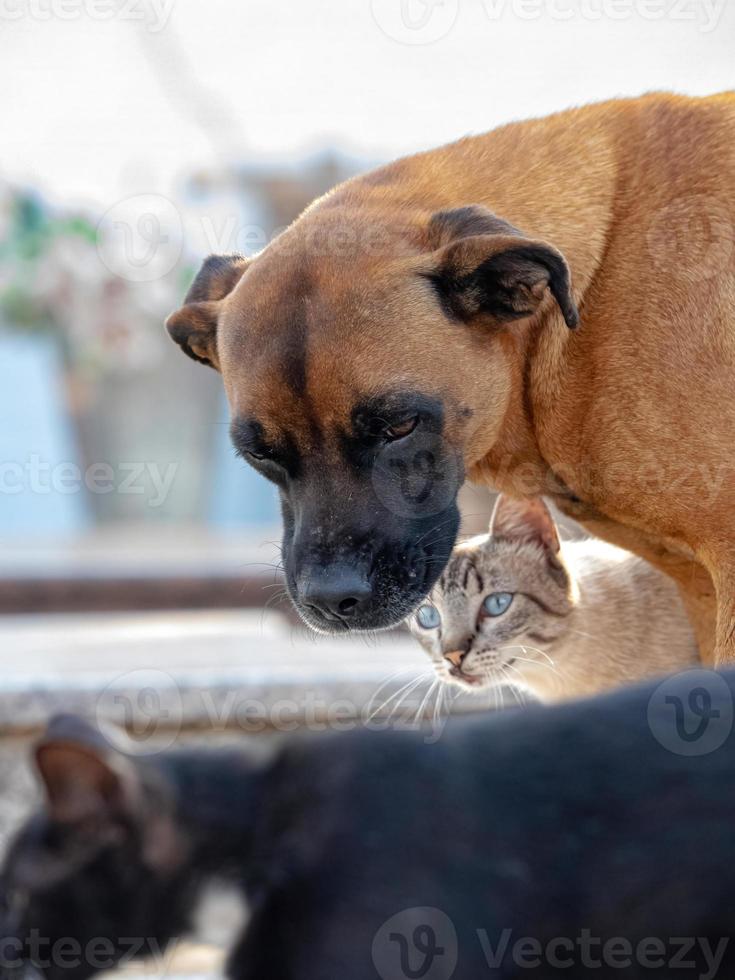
[
  {"x": 483, "y": 265},
  {"x": 194, "y": 326}
]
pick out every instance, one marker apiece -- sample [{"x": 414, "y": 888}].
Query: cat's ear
[
  {"x": 98, "y": 792},
  {"x": 482, "y": 265},
  {"x": 87, "y": 781},
  {"x": 194, "y": 326},
  {"x": 527, "y": 519}
]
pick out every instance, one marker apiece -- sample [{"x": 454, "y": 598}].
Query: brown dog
[{"x": 404, "y": 332}]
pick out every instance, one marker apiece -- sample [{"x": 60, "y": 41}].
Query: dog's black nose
[{"x": 337, "y": 592}]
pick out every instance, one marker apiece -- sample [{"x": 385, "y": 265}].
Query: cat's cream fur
[{"x": 585, "y": 616}]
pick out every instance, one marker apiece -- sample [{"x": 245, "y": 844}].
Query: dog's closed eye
[{"x": 400, "y": 430}]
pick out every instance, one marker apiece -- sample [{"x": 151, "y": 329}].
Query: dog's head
[{"x": 368, "y": 361}]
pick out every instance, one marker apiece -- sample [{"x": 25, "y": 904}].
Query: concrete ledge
[
  {"x": 158, "y": 674},
  {"x": 138, "y": 569}
]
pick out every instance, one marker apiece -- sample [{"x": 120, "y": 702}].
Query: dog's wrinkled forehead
[
  {"x": 278, "y": 363},
  {"x": 351, "y": 301},
  {"x": 305, "y": 342}
]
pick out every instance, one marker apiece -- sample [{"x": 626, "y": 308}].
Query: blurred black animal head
[{"x": 100, "y": 874}]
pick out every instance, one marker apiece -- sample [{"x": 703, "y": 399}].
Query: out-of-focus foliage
[{"x": 53, "y": 279}]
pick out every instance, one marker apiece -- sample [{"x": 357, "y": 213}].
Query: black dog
[{"x": 593, "y": 839}]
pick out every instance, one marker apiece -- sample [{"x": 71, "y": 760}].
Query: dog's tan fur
[{"x": 627, "y": 422}]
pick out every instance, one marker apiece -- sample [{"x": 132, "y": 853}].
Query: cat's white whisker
[
  {"x": 404, "y": 699},
  {"x": 538, "y": 650},
  {"x": 438, "y": 704},
  {"x": 409, "y": 689},
  {"x": 588, "y": 636},
  {"x": 534, "y": 660},
  {"x": 400, "y": 694},
  {"x": 550, "y": 664},
  {"x": 497, "y": 682},
  {"x": 422, "y": 707},
  {"x": 435, "y": 528},
  {"x": 408, "y": 668},
  {"x": 399, "y": 705},
  {"x": 392, "y": 677},
  {"x": 517, "y": 690}
]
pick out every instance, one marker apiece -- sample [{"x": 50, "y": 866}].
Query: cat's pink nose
[{"x": 455, "y": 657}]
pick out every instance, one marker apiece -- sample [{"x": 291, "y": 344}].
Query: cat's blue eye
[
  {"x": 497, "y": 603},
  {"x": 428, "y": 617}
]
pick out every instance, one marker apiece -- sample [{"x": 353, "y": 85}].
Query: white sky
[{"x": 94, "y": 109}]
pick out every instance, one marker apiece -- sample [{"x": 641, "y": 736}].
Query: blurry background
[{"x": 136, "y": 137}]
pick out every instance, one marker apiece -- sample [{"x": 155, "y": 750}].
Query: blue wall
[
  {"x": 240, "y": 496},
  {"x": 37, "y": 444}
]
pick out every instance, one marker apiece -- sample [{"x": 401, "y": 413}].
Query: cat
[
  {"x": 556, "y": 619},
  {"x": 377, "y": 854}
]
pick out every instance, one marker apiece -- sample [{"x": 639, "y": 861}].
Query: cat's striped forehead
[
  {"x": 487, "y": 564},
  {"x": 483, "y": 563},
  {"x": 462, "y": 574}
]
